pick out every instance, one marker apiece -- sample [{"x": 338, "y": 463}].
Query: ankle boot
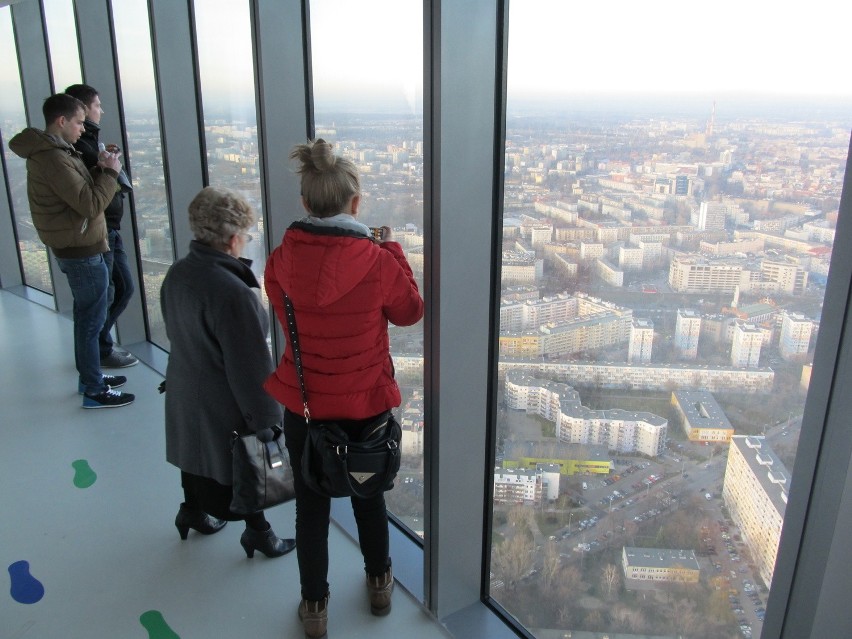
[
  {"x": 380, "y": 589},
  {"x": 314, "y": 617},
  {"x": 197, "y": 520},
  {"x": 266, "y": 541}
]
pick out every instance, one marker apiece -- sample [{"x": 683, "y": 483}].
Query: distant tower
[{"x": 711, "y": 121}]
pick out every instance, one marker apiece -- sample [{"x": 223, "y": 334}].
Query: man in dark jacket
[
  {"x": 120, "y": 282},
  {"x": 67, "y": 203}
]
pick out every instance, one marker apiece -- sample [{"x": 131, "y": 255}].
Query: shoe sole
[
  {"x": 91, "y": 406},
  {"x": 107, "y": 405}
]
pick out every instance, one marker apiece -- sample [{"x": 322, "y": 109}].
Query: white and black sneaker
[
  {"x": 113, "y": 381},
  {"x": 108, "y": 399}
]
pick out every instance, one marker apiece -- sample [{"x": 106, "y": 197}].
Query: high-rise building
[
  {"x": 712, "y": 215},
  {"x": 755, "y": 493},
  {"x": 745, "y": 347},
  {"x": 687, "y": 331},
  {"x": 641, "y": 341},
  {"x": 795, "y": 338}
]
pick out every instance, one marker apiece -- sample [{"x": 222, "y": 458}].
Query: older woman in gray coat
[{"x": 217, "y": 364}]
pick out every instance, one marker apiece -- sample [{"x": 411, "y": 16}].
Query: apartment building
[{"x": 755, "y": 494}]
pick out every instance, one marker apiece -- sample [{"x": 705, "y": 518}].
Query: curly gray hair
[{"x": 216, "y": 214}]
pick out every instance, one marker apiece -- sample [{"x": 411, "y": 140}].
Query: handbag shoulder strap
[{"x": 297, "y": 353}]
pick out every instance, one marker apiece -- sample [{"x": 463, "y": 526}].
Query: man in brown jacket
[{"x": 67, "y": 203}]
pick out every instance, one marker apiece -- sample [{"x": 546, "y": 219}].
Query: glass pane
[
  {"x": 144, "y": 157},
  {"x": 668, "y": 221},
  {"x": 62, "y": 39},
  {"x": 13, "y": 118},
  {"x": 371, "y": 108},
  {"x": 230, "y": 121}
]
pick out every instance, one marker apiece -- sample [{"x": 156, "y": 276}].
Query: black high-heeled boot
[
  {"x": 197, "y": 520},
  {"x": 266, "y": 541}
]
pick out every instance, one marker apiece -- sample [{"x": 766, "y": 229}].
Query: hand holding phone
[{"x": 378, "y": 233}]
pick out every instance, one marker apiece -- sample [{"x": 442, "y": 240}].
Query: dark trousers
[
  {"x": 120, "y": 289},
  {"x": 313, "y": 516}
]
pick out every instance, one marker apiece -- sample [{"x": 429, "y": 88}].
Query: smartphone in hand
[{"x": 378, "y": 233}]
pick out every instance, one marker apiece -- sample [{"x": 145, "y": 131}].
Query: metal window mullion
[{"x": 179, "y": 108}]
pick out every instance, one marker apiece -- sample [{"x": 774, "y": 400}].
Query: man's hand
[{"x": 107, "y": 160}]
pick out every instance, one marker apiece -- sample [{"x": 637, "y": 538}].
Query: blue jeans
[
  {"x": 313, "y": 513},
  {"x": 120, "y": 289},
  {"x": 88, "y": 278}
]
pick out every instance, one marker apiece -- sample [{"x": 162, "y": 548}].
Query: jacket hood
[
  {"x": 319, "y": 265},
  {"x": 31, "y": 141}
]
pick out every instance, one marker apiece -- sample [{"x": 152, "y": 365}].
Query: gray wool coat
[{"x": 218, "y": 361}]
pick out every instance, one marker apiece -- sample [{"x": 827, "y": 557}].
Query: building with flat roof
[
  {"x": 701, "y": 417},
  {"x": 619, "y": 430},
  {"x": 687, "y": 332},
  {"x": 755, "y": 493},
  {"x": 795, "y": 339},
  {"x": 641, "y": 341},
  {"x": 659, "y": 564}
]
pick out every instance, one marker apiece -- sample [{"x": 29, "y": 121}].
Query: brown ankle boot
[
  {"x": 314, "y": 617},
  {"x": 380, "y": 589}
]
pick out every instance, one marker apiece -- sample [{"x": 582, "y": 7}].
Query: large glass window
[
  {"x": 230, "y": 113},
  {"x": 368, "y": 102},
  {"x": 668, "y": 222},
  {"x": 62, "y": 39},
  {"x": 143, "y": 157},
  {"x": 13, "y": 119}
]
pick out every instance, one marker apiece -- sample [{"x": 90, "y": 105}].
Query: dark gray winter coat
[{"x": 218, "y": 361}]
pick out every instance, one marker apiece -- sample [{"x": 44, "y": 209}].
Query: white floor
[{"x": 108, "y": 553}]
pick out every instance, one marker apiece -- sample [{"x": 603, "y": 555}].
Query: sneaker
[
  {"x": 113, "y": 381},
  {"x": 118, "y": 360},
  {"x": 108, "y": 399}
]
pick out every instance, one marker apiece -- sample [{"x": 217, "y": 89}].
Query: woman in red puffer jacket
[{"x": 345, "y": 287}]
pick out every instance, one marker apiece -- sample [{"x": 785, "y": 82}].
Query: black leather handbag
[
  {"x": 336, "y": 464},
  {"x": 263, "y": 476}
]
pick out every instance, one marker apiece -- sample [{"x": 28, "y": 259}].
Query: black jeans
[
  {"x": 313, "y": 515},
  {"x": 120, "y": 289}
]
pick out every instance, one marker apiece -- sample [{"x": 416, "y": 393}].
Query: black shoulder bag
[{"x": 335, "y": 465}]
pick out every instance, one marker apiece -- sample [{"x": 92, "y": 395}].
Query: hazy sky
[
  {"x": 365, "y": 49},
  {"x": 760, "y": 46}
]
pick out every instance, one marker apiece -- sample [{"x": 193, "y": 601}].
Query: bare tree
[
  {"x": 513, "y": 558},
  {"x": 551, "y": 563},
  {"x": 610, "y": 578},
  {"x": 519, "y": 518},
  {"x": 684, "y": 617}
]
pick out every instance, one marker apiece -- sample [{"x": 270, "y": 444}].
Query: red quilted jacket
[{"x": 345, "y": 289}]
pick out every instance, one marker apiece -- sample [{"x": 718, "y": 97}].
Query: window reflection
[
  {"x": 62, "y": 39},
  {"x": 666, "y": 242},
  {"x": 12, "y": 120},
  {"x": 368, "y": 102},
  {"x": 230, "y": 120},
  {"x": 143, "y": 156}
]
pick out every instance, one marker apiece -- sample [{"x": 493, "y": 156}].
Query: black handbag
[
  {"x": 335, "y": 464},
  {"x": 263, "y": 476}
]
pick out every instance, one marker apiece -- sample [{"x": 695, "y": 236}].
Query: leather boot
[
  {"x": 314, "y": 617},
  {"x": 266, "y": 541},
  {"x": 380, "y": 589},
  {"x": 197, "y": 520}
]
